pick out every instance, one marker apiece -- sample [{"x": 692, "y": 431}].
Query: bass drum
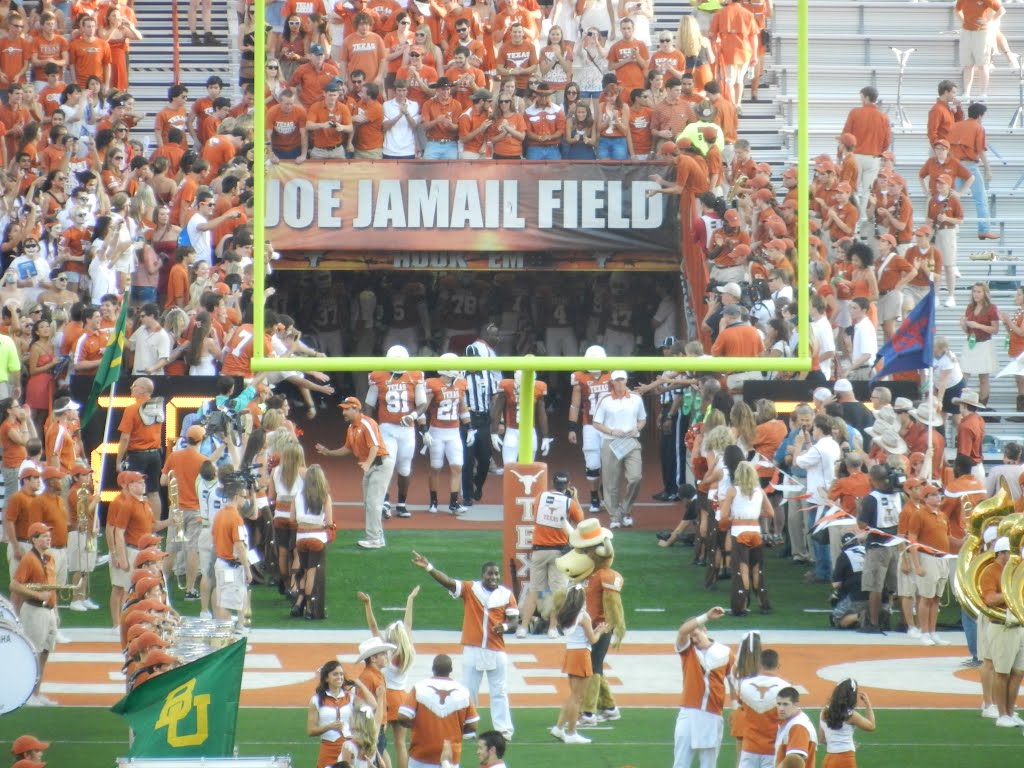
[
  {"x": 7, "y": 611},
  {"x": 20, "y": 668}
]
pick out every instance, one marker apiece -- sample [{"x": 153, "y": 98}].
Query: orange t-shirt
[
  {"x": 640, "y": 130},
  {"x": 478, "y": 621},
  {"x": 365, "y": 52},
  {"x": 704, "y": 674},
  {"x": 469, "y": 121},
  {"x": 171, "y": 117},
  {"x": 59, "y": 441},
  {"x": 310, "y": 82},
  {"x": 47, "y": 50},
  {"x": 369, "y": 135},
  {"x": 140, "y": 436},
  {"x": 185, "y": 464},
  {"x": 508, "y": 145},
  {"x": 976, "y": 12},
  {"x": 362, "y": 436},
  {"x": 238, "y": 356},
  {"x": 21, "y": 514},
  {"x": 433, "y": 110},
  {"x": 13, "y": 453},
  {"x": 871, "y": 128},
  {"x": 51, "y": 509},
  {"x": 600, "y": 581},
  {"x": 33, "y": 570},
  {"x": 177, "y": 285},
  {"x": 967, "y": 141},
  {"x": 217, "y": 151},
  {"x": 799, "y": 737},
  {"x": 131, "y": 515},
  {"x": 287, "y": 127},
  {"x": 930, "y": 528},
  {"x": 515, "y": 57},
  {"x": 629, "y": 53},
  {"x": 894, "y": 271},
  {"x": 738, "y": 341},
  {"x": 225, "y": 531},
  {"x": 328, "y": 138},
  {"x": 440, "y": 709},
  {"x": 14, "y": 55}
]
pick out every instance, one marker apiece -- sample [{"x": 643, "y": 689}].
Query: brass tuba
[
  {"x": 1012, "y": 584},
  {"x": 738, "y": 183},
  {"x": 972, "y": 561},
  {"x": 85, "y": 527},
  {"x": 176, "y": 514}
]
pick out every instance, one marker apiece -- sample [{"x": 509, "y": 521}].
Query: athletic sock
[
  {"x": 433, "y": 497},
  {"x": 453, "y": 499},
  {"x": 594, "y": 498}
]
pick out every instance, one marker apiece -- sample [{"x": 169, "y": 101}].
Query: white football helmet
[
  {"x": 449, "y": 373},
  {"x": 397, "y": 352},
  {"x": 595, "y": 352}
]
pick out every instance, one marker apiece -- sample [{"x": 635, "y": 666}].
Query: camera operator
[
  {"x": 880, "y": 511},
  {"x": 849, "y": 597},
  {"x": 231, "y": 545}
]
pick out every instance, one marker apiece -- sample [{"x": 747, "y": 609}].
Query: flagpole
[{"x": 931, "y": 393}]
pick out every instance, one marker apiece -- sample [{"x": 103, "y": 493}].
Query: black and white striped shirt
[{"x": 482, "y": 385}]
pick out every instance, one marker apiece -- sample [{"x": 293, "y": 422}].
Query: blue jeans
[
  {"x": 143, "y": 294},
  {"x": 288, "y": 154},
  {"x": 543, "y": 153},
  {"x": 822, "y": 552},
  {"x": 979, "y": 193},
  {"x": 441, "y": 150},
  {"x": 971, "y": 631},
  {"x": 612, "y": 148}
]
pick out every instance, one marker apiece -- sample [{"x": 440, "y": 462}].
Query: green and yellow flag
[
  {"x": 190, "y": 711},
  {"x": 110, "y": 366}
]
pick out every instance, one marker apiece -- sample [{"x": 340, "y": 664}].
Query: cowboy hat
[
  {"x": 925, "y": 415},
  {"x": 970, "y": 397},
  {"x": 886, "y": 420},
  {"x": 588, "y": 533},
  {"x": 891, "y": 442},
  {"x": 372, "y": 647}
]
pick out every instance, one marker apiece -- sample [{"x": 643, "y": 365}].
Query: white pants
[
  {"x": 375, "y": 485},
  {"x": 446, "y": 445},
  {"x": 868, "y": 167},
  {"x": 561, "y": 342},
  {"x": 497, "y": 682},
  {"x": 619, "y": 343},
  {"x": 591, "y": 448},
  {"x": 510, "y": 446},
  {"x": 683, "y": 753},
  {"x": 401, "y": 443},
  {"x": 750, "y": 760},
  {"x": 407, "y": 337}
]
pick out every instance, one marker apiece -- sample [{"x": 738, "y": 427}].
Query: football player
[
  {"x": 460, "y": 305},
  {"x": 398, "y": 397},
  {"x": 620, "y": 320},
  {"x": 406, "y": 316},
  {"x": 506, "y": 405},
  {"x": 446, "y": 406},
  {"x": 588, "y": 387}
]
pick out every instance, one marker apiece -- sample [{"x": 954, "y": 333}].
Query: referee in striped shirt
[{"x": 481, "y": 388}]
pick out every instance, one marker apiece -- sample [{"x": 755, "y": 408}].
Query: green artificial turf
[
  {"x": 93, "y": 738},
  {"x": 661, "y": 587}
]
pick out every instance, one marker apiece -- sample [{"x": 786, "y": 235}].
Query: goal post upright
[{"x": 530, "y": 364}]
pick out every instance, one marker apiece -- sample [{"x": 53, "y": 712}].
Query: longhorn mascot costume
[{"x": 590, "y": 561}]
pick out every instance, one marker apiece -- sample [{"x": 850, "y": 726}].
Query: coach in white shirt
[
  {"x": 865, "y": 341},
  {"x": 619, "y": 418},
  {"x": 821, "y": 328}
]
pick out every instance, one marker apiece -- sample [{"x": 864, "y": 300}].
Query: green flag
[
  {"x": 110, "y": 366},
  {"x": 190, "y": 711}
]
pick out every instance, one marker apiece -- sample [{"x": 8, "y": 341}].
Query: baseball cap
[
  {"x": 848, "y": 538},
  {"x": 616, "y": 375},
  {"x": 128, "y": 476},
  {"x": 733, "y": 289},
  {"x": 912, "y": 482},
  {"x": 333, "y": 86},
  {"x": 316, "y": 49},
  {"x": 843, "y": 385},
  {"x": 668, "y": 148},
  {"x": 941, "y": 143},
  {"x": 148, "y": 540},
  {"x": 482, "y": 94},
  {"x": 146, "y": 583},
  {"x": 80, "y": 468},
  {"x": 709, "y": 132},
  {"x": 148, "y": 639},
  {"x": 667, "y": 342},
  {"x": 28, "y": 743},
  {"x": 65, "y": 404},
  {"x": 930, "y": 490},
  {"x": 38, "y": 529},
  {"x": 822, "y": 394},
  {"x": 732, "y": 216},
  {"x": 847, "y": 139},
  {"x": 157, "y": 656},
  {"x": 924, "y": 230},
  {"x": 28, "y": 472},
  {"x": 888, "y": 238},
  {"x": 52, "y": 473},
  {"x": 844, "y": 186},
  {"x": 888, "y": 155},
  {"x": 684, "y": 143},
  {"x": 1002, "y": 545},
  {"x": 763, "y": 195},
  {"x": 350, "y": 402},
  {"x": 945, "y": 178},
  {"x": 148, "y": 555},
  {"x": 195, "y": 433},
  {"x": 789, "y": 173},
  {"x": 775, "y": 245}
]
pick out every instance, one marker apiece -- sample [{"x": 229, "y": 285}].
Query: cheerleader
[
  {"x": 360, "y": 750},
  {"x": 838, "y": 721},
  {"x": 330, "y": 711},
  {"x": 743, "y": 506},
  {"x": 314, "y": 518},
  {"x": 580, "y": 635},
  {"x": 396, "y": 671}
]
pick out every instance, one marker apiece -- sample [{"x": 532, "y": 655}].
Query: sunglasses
[
  {"x": 272, "y": 66},
  {"x": 294, "y": 23},
  {"x": 504, "y": 101},
  {"x": 32, "y": 246}
]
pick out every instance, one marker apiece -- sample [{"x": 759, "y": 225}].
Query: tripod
[{"x": 899, "y": 115}]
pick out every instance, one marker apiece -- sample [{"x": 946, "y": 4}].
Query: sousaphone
[
  {"x": 971, "y": 561},
  {"x": 1012, "y": 583}
]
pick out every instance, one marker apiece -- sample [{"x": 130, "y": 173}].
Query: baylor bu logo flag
[
  {"x": 911, "y": 346},
  {"x": 190, "y": 711}
]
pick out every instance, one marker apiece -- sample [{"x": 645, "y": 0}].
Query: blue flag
[{"x": 911, "y": 347}]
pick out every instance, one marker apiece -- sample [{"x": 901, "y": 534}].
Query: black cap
[
  {"x": 442, "y": 82},
  {"x": 561, "y": 480},
  {"x": 848, "y": 538}
]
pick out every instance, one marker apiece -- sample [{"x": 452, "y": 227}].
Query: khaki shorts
[
  {"x": 39, "y": 626},
  {"x": 1007, "y": 647},
  {"x": 890, "y": 306},
  {"x": 119, "y": 578},
  {"x": 192, "y": 525},
  {"x": 206, "y": 555},
  {"x": 230, "y": 586},
  {"x": 12, "y": 565},
  {"x": 879, "y": 569},
  {"x": 975, "y": 48},
  {"x": 543, "y": 573},
  {"x": 906, "y": 583},
  {"x": 984, "y": 631},
  {"x": 79, "y": 559},
  {"x": 60, "y": 563},
  {"x": 936, "y": 573}
]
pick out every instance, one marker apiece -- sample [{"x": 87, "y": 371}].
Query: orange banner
[
  {"x": 467, "y": 205},
  {"x": 520, "y": 485}
]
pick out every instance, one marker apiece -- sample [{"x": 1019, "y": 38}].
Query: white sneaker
[
  {"x": 627, "y": 521},
  {"x": 205, "y": 615},
  {"x": 457, "y": 509},
  {"x": 913, "y": 632},
  {"x": 367, "y": 544},
  {"x": 88, "y": 603},
  {"x": 595, "y": 509},
  {"x": 403, "y": 511},
  {"x": 78, "y": 606},
  {"x": 557, "y": 732},
  {"x": 991, "y": 712},
  {"x": 586, "y": 721},
  {"x": 575, "y": 738},
  {"x": 609, "y": 714},
  {"x": 1005, "y": 721},
  {"x": 521, "y": 633},
  {"x": 553, "y": 633},
  {"x": 950, "y": 302},
  {"x": 926, "y": 639},
  {"x": 939, "y": 641},
  {"x": 63, "y": 638},
  {"x": 614, "y": 524},
  {"x": 432, "y": 509},
  {"x": 1017, "y": 719}
]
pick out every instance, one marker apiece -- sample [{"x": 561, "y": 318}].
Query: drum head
[
  {"x": 20, "y": 668},
  {"x": 7, "y": 611}
]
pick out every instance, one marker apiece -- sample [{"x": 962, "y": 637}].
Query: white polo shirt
[
  {"x": 620, "y": 413},
  {"x": 865, "y": 341}
]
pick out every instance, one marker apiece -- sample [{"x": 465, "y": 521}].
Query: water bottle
[{"x": 971, "y": 341}]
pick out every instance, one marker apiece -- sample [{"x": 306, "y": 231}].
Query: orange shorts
[
  {"x": 840, "y": 760},
  {"x": 737, "y": 723},
  {"x": 309, "y": 545},
  {"x": 750, "y": 539},
  {"x": 330, "y": 751},
  {"x": 394, "y": 701},
  {"x": 577, "y": 663}
]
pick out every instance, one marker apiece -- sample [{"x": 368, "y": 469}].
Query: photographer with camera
[{"x": 879, "y": 515}]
